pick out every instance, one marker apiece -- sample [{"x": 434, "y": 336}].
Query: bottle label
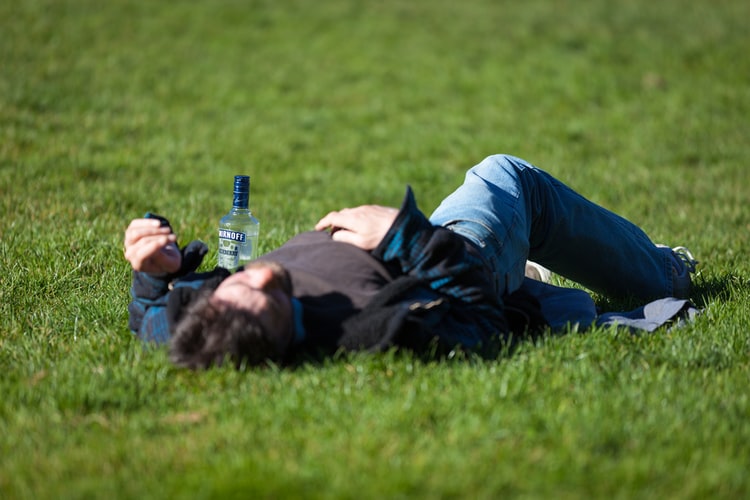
[
  {"x": 225, "y": 234},
  {"x": 230, "y": 243}
]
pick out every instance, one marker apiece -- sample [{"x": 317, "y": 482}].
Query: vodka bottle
[{"x": 238, "y": 230}]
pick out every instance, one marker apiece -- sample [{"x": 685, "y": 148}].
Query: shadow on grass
[
  {"x": 718, "y": 288},
  {"x": 705, "y": 291}
]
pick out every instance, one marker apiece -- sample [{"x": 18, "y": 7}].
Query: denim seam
[{"x": 451, "y": 224}]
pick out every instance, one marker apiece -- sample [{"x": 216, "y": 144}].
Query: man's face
[{"x": 263, "y": 289}]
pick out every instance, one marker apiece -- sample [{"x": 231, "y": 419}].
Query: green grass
[{"x": 111, "y": 109}]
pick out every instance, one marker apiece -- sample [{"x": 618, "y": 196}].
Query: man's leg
[{"x": 514, "y": 211}]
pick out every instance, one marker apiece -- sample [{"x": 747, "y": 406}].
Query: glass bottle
[{"x": 238, "y": 230}]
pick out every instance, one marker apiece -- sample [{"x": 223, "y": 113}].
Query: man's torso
[{"x": 332, "y": 281}]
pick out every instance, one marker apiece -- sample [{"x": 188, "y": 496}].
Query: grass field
[{"x": 111, "y": 109}]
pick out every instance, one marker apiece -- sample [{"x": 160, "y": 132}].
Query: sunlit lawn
[{"x": 111, "y": 109}]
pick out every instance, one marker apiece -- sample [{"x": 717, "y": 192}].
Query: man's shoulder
[
  {"x": 187, "y": 289},
  {"x": 197, "y": 280}
]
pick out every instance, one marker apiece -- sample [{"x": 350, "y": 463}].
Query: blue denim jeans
[{"x": 514, "y": 211}]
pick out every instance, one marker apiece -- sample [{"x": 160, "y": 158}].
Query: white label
[
  {"x": 230, "y": 243},
  {"x": 225, "y": 234}
]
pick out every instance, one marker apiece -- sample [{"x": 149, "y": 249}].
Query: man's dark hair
[{"x": 210, "y": 335}]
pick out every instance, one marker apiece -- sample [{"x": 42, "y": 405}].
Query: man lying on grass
[{"x": 374, "y": 277}]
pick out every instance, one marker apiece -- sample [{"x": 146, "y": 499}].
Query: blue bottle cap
[{"x": 242, "y": 183}]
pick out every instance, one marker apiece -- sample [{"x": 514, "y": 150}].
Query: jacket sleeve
[
  {"x": 148, "y": 318},
  {"x": 458, "y": 303},
  {"x": 148, "y": 308}
]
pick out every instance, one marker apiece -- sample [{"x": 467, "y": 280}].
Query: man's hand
[
  {"x": 363, "y": 227},
  {"x": 151, "y": 248}
]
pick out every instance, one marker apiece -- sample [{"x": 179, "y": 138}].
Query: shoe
[
  {"x": 537, "y": 272},
  {"x": 683, "y": 265}
]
